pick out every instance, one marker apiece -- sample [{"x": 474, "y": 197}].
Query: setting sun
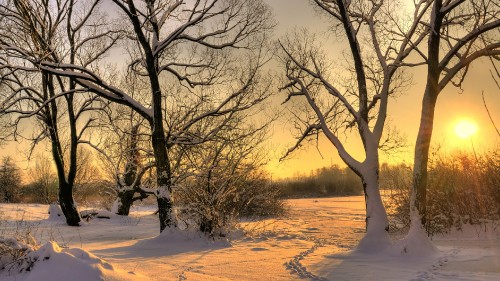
[
  {"x": 249, "y": 140},
  {"x": 466, "y": 128}
]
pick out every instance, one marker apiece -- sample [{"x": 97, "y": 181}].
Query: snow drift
[{"x": 52, "y": 263}]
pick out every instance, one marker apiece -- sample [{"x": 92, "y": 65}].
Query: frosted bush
[{"x": 462, "y": 189}]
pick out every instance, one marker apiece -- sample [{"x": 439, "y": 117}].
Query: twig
[{"x": 489, "y": 115}]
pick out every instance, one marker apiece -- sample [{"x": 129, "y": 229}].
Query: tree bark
[
  {"x": 163, "y": 174},
  {"x": 419, "y": 191},
  {"x": 377, "y": 222},
  {"x": 421, "y": 157},
  {"x": 159, "y": 142},
  {"x": 124, "y": 202},
  {"x": 158, "y": 139},
  {"x": 65, "y": 188},
  {"x": 67, "y": 203}
]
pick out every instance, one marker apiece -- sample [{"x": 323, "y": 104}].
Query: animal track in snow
[
  {"x": 296, "y": 267},
  {"x": 433, "y": 270},
  {"x": 182, "y": 276}
]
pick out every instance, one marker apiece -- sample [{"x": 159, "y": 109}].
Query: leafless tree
[
  {"x": 44, "y": 179},
  {"x": 221, "y": 176},
  {"x": 59, "y": 31},
  {"x": 127, "y": 169},
  {"x": 214, "y": 45},
  {"x": 10, "y": 181},
  {"x": 462, "y": 32},
  {"x": 379, "y": 43},
  {"x": 123, "y": 143}
]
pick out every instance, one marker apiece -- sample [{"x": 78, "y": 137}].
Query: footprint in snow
[
  {"x": 258, "y": 249},
  {"x": 422, "y": 276}
]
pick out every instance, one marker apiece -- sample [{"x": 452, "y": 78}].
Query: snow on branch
[
  {"x": 233, "y": 22},
  {"x": 309, "y": 131},
  {"x": 380, "y": 43},
  {"x": 487, "y": 51},
  {"x": 93, "y": 83},
  {"x": 315, "y": 74},
  {"x": 466, "y": 40}
]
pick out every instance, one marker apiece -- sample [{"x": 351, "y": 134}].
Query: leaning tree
[
  {"x": 379, "y": 44},
  {"x": 462, "y": 32}
]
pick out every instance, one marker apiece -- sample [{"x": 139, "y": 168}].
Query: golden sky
[
  {"x": 453, "y": 106},
  {"x": 404, "y": 112}
]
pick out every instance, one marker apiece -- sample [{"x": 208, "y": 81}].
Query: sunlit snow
[{"x": 315, "y": 241}]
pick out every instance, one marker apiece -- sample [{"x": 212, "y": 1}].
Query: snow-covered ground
[{"x": 313, "y": 242}]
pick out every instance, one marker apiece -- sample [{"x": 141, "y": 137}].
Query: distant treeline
[{"x": 324, "y": 182}]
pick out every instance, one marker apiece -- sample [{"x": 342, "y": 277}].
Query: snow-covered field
[{"x": 313, "y": 242}]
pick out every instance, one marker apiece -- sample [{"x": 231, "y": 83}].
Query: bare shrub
[
  {"x": 226, "y": 182},
  {"x": 12, "y": 251},
  {"x": 15, "y": 243},
  {"x": 261, "y": 198},
  {"x": 396, "y": 181},
  {"x": 98, "y": 194},
  {"x": 44, "y": 181},
  {"x": 217, "y": 211},
  {"x": 463, "y": 188}
]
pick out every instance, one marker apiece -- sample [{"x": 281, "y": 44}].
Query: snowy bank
[{"x": 52, "y": 263}]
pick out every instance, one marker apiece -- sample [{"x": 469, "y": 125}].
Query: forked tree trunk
[
  {"x": 125, "y": 196},
  {"x": 67, "y": 203},
  {"x": 377, "y": 223},
  {"x": 125, "y": 199}
]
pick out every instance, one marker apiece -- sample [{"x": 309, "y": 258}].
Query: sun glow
[{"x": 465, "y": 128}]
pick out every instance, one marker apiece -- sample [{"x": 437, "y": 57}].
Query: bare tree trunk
[
  {"x": 163, "y": 177},
  {"x": 421, "y": 157},
  {"x": 417, "y": 240},
  {"x": 66, "y": 195},
  {"x": 67, "y": 203},
  {"x": 124, "y": 202},
  {"x": 65, "y": 187},
  {"x": 376, "y": 216},
  {"x": 163, "y": 173},
  {"x": 377, "y": 223},
  {"x": 131, "y": 178}
]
